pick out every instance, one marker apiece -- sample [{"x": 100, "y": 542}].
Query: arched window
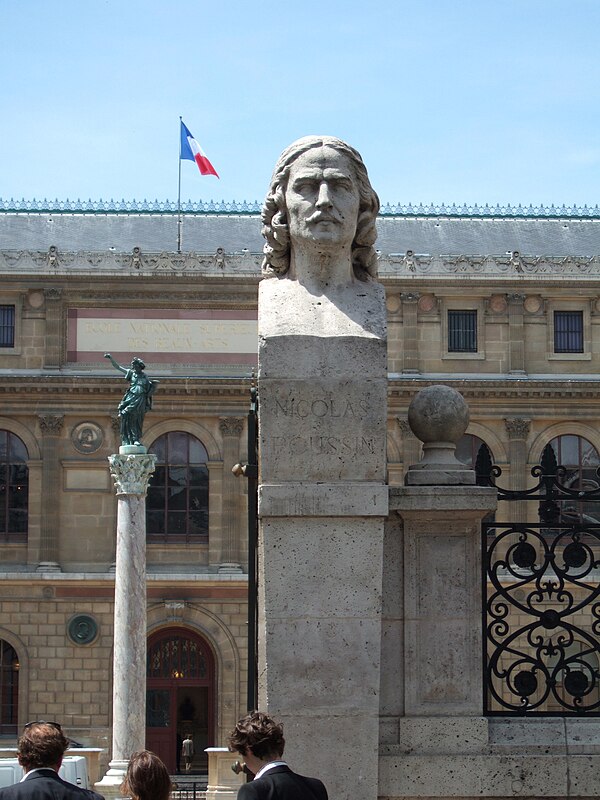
[
  {"x": 9, "y": 688},
  {"x": 467, "y": 449},
  {"x": 581, "y": 460},
  {"x": 14, "y": 488},
  {"x": 177, "y": 502}
]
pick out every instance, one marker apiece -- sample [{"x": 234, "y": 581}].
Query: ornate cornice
[
  {"x": 246, "y": 267},
  {"x": 131, "y": 473}
]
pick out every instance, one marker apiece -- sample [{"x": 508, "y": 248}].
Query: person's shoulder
[{"x": 317, "y": 786}]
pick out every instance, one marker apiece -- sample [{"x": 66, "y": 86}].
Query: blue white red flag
[{"x": 190, "y": 150}]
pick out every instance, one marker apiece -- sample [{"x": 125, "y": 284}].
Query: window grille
[
  {"x": 9, "y": 689},
  {"x": 462, "y": 331},
  {"x": 7, "y": 326},
  {"x": 568, "y": 331}
]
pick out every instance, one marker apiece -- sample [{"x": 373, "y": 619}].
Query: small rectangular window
[
  {"x": 462, "y": 331},
  {"x": 568, "y": 331},
  {"x": 7, "y": 326}
]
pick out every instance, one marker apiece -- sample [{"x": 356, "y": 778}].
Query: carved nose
[{"x": 324, "y": 198}]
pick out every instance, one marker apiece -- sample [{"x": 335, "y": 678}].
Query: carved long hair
[{"x": 274, "y": 211}]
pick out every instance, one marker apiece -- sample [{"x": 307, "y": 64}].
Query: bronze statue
[{"x": 136, "y": 400}]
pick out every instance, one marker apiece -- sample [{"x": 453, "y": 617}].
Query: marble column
[
  {"x": 131, "y": 473},
  {"x": 231, "y": 429},
  {"x": 51, "y": 426}
]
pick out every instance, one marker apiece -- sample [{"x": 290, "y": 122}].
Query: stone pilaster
[
  {"x": 516, "y": 333},
  {"x": 51, "y": 426},
  {"x": 131, "y": 474},
  {"x": 53, "y": 336},
  {"x": 517, "y": 429},
  {"x": 231, "y": 429},
  {"x": 410, "y": 332}
]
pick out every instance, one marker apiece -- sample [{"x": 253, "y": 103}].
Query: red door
[{"x": 180, "y": 696}]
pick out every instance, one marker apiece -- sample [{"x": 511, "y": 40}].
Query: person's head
[
  {"x": 147, "y": 778},
  {"x": 137, "y": 364},
  {"x": 260, "y": 734},
  {"x": 275, "y": 216},
  {"x": 42, "y": 744}
]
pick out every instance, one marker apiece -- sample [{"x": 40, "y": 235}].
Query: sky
[{"x": 448, "y": 101}]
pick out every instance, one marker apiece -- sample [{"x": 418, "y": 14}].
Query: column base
[
  {"x": 48, "y": 566},
  {"x": 110, "y": 785},
  {"x": 229, "y": 568}
]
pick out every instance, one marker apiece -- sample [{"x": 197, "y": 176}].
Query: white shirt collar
[
  {"x": 269, "y": 766},
  {"x": 31, "y": 771}
]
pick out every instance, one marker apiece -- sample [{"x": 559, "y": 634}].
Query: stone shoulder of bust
[{"x": 355, "y": 309}]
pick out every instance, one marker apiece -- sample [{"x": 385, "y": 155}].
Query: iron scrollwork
[{"x": 542, "y": 590}]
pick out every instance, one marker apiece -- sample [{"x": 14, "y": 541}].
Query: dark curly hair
[
  {"x": 259, "y": 733},
  {"x": 147, "y": 778},
  {"x": 274, "y": 212},
  {"x": 42, "y": 744}
]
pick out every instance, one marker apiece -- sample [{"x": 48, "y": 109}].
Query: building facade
[{"x": 502, "y": 304}]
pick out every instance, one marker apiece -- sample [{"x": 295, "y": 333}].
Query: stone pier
[{"x": 131, "y": 471}]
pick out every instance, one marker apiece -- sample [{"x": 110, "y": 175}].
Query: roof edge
[{"x": 202, "y": 207}]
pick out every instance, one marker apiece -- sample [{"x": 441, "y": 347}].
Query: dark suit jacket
[
  {"x": 280, "y": 783},
  {"x": 46, "y": 784}
]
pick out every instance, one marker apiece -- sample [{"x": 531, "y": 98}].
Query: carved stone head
[{"x": 320, "y": 189}]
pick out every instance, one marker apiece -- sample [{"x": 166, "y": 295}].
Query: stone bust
[{"x": 319, "y": 222}]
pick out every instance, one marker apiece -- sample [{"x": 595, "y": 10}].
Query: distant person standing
[
  {"x": 40, "y": 751},
  {"x": 187, "y": 751},
  {"x": 259, "y": 739}
]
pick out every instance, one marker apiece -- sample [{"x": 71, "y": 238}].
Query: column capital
[
  {"x": 131, "y": 473},
  {"x": 231, "y": 426},
  {"x": 516, "y": 298},
  {"x": 51, "y": 424},
  {"x": 53, "y": 293},
  {"x": 410, "y": 297},
  {"x": 517, "y": 427}
]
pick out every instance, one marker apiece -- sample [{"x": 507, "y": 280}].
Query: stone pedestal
[
  {"x": 223, "y": 782},
  {"x": 131, "y": 472},
  {"x": 322, "y": 504}
]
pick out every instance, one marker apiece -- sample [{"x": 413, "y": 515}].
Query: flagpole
[{"x": 179, "y": 220}]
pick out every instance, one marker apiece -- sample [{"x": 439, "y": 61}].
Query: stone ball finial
[
  {"x": 439, "y": 417},
  {"x": 438, "y": 414}
]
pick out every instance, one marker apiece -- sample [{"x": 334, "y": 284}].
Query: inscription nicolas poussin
[{"x": 326, "y": 409}]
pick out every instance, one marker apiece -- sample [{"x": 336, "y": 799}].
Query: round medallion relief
[
  {"x": 82, "y": 629},
  {"x": 392, "y": 303},
  {"x": 87, "y": 437},
  {"x": 532, "y": 304},
  {"x": 426, "y": 303},
  {"x": 498, "y": 303},
  {"x": 35, "y": 299}
]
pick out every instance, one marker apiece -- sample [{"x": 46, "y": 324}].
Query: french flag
[{"x": 191, "y": 150}]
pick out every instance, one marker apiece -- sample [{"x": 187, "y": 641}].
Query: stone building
[{"x": 502, "y": 304}]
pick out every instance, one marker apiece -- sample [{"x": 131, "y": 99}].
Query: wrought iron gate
[{"x": 541, "y": 590}]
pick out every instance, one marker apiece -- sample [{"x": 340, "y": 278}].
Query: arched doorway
[{"x": 180, "y": 696}]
